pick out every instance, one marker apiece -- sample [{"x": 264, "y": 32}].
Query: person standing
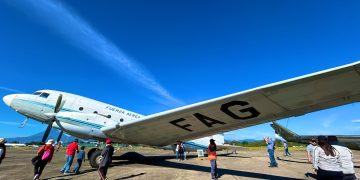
[
  {"x": 270, "y": 149},
  {"x": 310, "y": 149},
  {"x": 80, "y": 159},
  {"x": 327, "y": 161},
  {"x": 45, "y": 155},
  {"x": 2, "y": 149},
  {"x": 286, "y": 149},
  {"x": 70, "y": 153},
  {"x": 177, "y": 150},
  {"x": 106, "y": 159},
  {"x": 212, "y": 158},
  {"x": 183, "y": 150}
]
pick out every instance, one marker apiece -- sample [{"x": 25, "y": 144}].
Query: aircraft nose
[{"x": 8, "y": 99}]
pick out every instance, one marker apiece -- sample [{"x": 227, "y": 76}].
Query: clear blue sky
[{"x": 151, "y": 56}]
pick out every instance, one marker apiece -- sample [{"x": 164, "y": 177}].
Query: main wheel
[
  {"x": 95, "y": 159},
  {"x": 90, "y": 152}
]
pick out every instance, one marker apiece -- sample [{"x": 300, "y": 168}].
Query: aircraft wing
[{"x": 293, "y": 97}]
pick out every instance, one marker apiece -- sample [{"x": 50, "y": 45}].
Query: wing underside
[{"x": 293, "y": 97}]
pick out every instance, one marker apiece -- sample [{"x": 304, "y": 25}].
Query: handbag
[{"x": 35, "y": 160}]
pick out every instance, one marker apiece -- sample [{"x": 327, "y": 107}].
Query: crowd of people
[
  {"x": 329, "y": 160},
  {"x": 45, "y": 154}
]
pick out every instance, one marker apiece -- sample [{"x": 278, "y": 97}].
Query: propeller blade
[
  {"x": 24, "y": 122},
  {"x": 47, "y": 132},
  {"x": 58, "y": 104},
  {"x": 59, "y": 137}
]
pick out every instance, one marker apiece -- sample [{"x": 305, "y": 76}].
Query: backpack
[{"x": 46, "y": 155}]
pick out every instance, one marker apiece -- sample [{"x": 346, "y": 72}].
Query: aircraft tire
[
  {"x": 95, "y": 159},
  {"x": 92, "y": 150}
]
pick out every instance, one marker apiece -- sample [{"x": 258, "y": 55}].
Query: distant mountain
[{"x": 37, "y": 137}]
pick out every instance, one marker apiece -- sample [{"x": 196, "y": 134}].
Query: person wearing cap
[
  {"x": 106, "y": 159},
  {"x": 45, "y": 155},
  {"x": 212, "y": 158},
  {"x": 70, "y": 154},
  {"x": 310, "y": 149},
  {"x": 2, "y": 149}
]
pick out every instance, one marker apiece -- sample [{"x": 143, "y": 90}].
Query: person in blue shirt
[
  {"x": 310, "y": 149},
  {"x": 270, "y": 147},
  {"x": 80, "y": 159}
]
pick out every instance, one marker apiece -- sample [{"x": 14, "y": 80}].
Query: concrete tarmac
[{"x": 155, "y": 164}]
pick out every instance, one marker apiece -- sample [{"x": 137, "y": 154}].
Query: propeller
[{"x": 59, "y": 104}]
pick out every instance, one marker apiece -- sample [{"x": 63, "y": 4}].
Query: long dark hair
[{"x": 324, "y": 144}]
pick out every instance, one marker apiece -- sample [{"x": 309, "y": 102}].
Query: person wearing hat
[
  {"x": 2, "y": 149},
  {"x": 212, "y": 158},
  {"x": 45, "y": 155},
  {"x": 70, "y": 154},
  {"x": 310, "y": 149},
  {"x": 106, "y": 159}
]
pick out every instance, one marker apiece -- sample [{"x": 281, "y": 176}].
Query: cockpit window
[
  {"x": 36, "y": 93},
  {"x": 44, "y": 95}
]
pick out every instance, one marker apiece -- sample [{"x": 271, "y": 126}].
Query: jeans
[
  {"x": 272, "y": 158},
  {"x": 78, "y": 165},
  {"x": 177, "y": 155},
  {"x": 286, "y": 152},
  {"x": 213, "y": 169},
  {"x": 67, "y": 165}
]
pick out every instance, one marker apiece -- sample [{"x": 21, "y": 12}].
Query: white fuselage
[{"x": 82, "y": 117}]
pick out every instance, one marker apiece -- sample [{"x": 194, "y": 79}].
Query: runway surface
[{"x": 161, "y": 165}]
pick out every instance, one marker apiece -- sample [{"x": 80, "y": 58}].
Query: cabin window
[
  {"x": 121, "y": 120},
  {"x": 95, "y": 112},
  {"x": 37, "y": 93},
  {"x": 44, "y": 95},
  {"x": 109, "y": 116},
  {"x": 81, "y": 108}
]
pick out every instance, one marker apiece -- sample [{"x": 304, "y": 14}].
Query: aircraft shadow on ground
[{"x": 161, "y": 161}]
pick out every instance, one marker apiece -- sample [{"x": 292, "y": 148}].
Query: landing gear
[
  {"x": 95, "y": 158},
  {"x": 94, "y": 155}
]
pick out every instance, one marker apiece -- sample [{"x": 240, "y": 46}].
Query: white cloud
[
  {"x": 10, "y": 89},
  {"x": 79, "y": 33}
]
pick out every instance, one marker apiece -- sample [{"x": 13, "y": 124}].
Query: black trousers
[
  {"x": 102, "y": 172},
  {"x": 329, "y": 175},
  {"x": 39, "y": 167}
]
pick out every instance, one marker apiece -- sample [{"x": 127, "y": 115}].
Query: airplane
[
  {"x": 352, "y": 142},
  {"x": 90, "y": 119}
]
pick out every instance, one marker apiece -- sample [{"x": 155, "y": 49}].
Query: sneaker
[
  {"x": 67, "y": 173},
  {"x": 62, "y": 171},
  {"x": 36, "y": 176}
]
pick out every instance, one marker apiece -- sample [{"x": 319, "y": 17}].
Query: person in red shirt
[
  {"x": 70, "y": 154},
  {"x": 45, "y": 155}
]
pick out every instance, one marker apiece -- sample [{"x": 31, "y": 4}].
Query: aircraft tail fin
[{"x": 284, "y": 132}]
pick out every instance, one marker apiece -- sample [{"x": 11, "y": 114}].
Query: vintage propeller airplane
[{"x": 90, "y": 119}]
